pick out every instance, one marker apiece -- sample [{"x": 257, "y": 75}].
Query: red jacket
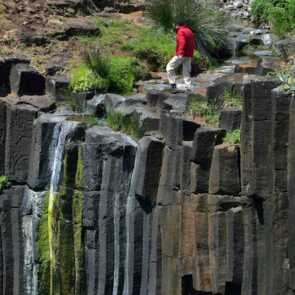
[{"x": 185, "y": 41}]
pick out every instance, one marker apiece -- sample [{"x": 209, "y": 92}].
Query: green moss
[
  {"x": 78, "y": 243},
  {"x": 43, "y": 255},
  {"x": 79, "y": 171},
  {"x": 233, "y": 137},
  {"x": 3, "y": 182}
]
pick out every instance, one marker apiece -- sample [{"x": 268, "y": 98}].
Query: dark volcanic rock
[
  {"x": 11, "y": 240},
  {"x": 58, "y": 87},
  {"x": 280, "y": 134},
  {"x": 148, "y": 168},
  {"x": 199, "y": 178},
  {"x": 205, "y": 140},
  {"x": 41, "y": 103},
  {"x": 19, "y": 131},
  {"x": 230, "y": 119},
  {"x": 41, "y": 151},
  {"x": 225, "y": 171},
  {"x": 74, "y": 27},
  {"x": 25, "y": 80},
  {"x": 5, "y": 68},
  {"x": 2, "y": 136}
]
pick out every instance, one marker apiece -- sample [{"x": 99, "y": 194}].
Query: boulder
[
  {"x": 74, "y": 27},
  {"x": 25, "y": 80},
  {"x": 42, "y": 103},
  {"x": 156, "y": 98}
]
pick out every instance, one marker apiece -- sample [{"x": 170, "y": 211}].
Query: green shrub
[
  {"x": 114, "y": 73},
  {"x": 279, "y": 13},
  {"x": 82, "y": 78},
  {"x": 233, "y": 137},
  {"x": 121, "y": 75},
  {"x": 259, "y": 10},
  {"x": 207, "y": 22},
  {"x": 277, "y": 16}
]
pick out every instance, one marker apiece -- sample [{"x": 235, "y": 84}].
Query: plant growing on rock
[
  {"x": 207, "y": 23},
  {"x": 287, "y": 77},
  {"x": 205, "y": 111},
  {"x": 233, "y": 137},
  {"x": 84, "y": 79},
  {"x": 128, "y": 124},
  {"x": 3, "y": 182},
  {"x": 231, "y": 99},
  {"x": 280, "y": 14}
]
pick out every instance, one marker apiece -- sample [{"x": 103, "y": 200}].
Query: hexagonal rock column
[
  {"x": 205, "y": 140},
  {"x": 5, "y": 68},
  {"x": 280, "y": 133},
  {"x": 147, "y": 171},
  {"x": 20, "y": 115},
  {"x": 225, "y": 170},
  {"x": 25, "y": 80},
  {"x": 2, "y": 136},
  {"x": 291, "y": 194},
  {"x": 19, "y": 131},
  {"x": 58, "y": 87},
  {"x": 230, "y": 119},
  {"x": 256, "y": 129},
  {"x": 11, "y": 268}
]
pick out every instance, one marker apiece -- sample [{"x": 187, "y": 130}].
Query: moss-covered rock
[
  {"x": 43, "y": 255},
  {"x": 59, "y": 237}
]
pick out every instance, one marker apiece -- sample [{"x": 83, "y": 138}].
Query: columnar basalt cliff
[{"x": 92, "y": 211}]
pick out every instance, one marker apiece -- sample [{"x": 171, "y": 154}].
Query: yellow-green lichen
[
  {"x": 65, "y": 230},
  {"x": 43, "y": 255}
]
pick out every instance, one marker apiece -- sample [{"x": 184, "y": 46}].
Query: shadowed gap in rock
[
  {"x": 232, "y": 289},
  {"x": 188, "y": 289}
]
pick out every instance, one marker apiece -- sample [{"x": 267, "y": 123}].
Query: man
[{"x": 185, "y": 46}]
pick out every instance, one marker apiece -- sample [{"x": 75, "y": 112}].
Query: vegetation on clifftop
[
  {"x": 280, "y": 14},
  {"x": 207, "y": 22}
]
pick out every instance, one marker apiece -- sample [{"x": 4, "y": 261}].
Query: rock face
[{"x": 91, "y": 211}]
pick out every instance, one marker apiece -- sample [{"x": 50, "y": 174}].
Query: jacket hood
[{"x": 180, "y": 27}]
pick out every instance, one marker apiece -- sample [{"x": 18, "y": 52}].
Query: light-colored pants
[{"x": 174, "y": 63}]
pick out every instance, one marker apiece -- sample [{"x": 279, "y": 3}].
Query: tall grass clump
[
  {"x": 206, "y": 21},
  {"x": 280, "y": 14},
  {"x": 108, "y": 73}
]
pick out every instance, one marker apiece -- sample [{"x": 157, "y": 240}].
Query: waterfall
[
  {"x": 129, "y": 262},
  {"x": 34, "y": 202},
  {"x": 60, "y": 136}
]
